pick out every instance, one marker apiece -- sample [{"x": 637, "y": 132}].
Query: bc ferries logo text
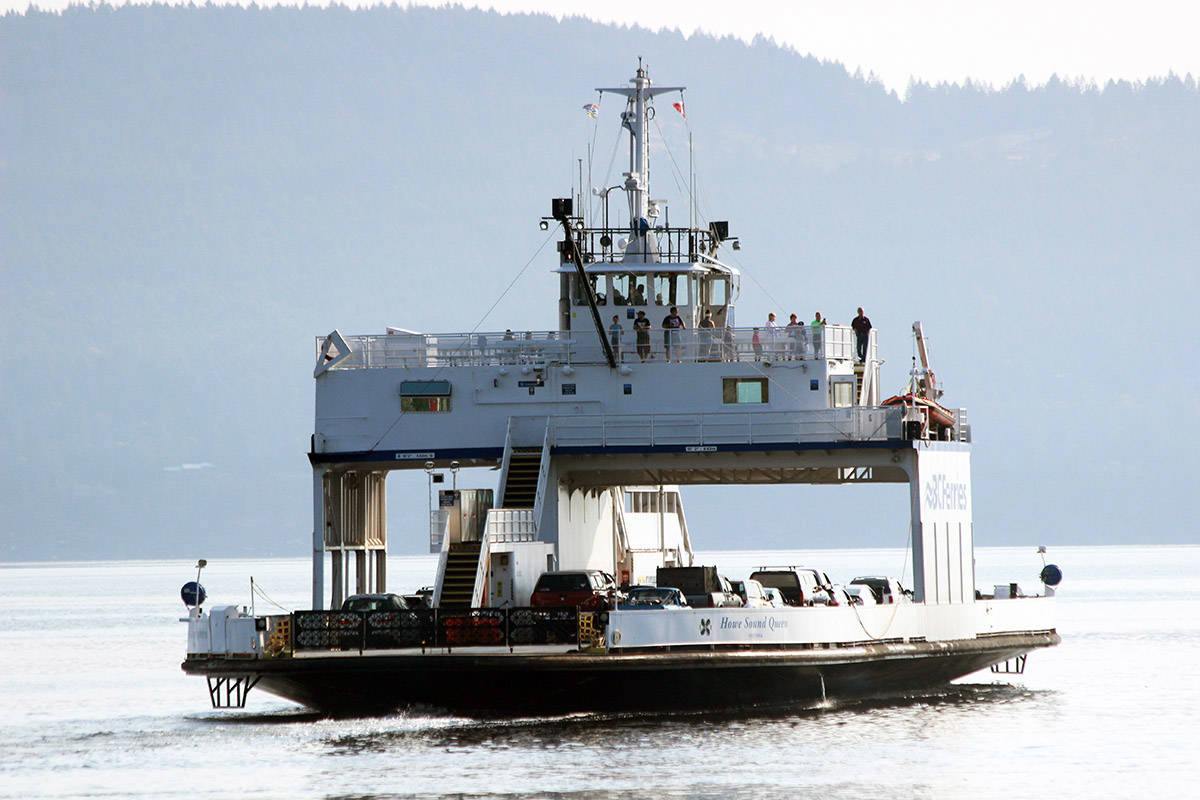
[{"x": 941, "y": 494}]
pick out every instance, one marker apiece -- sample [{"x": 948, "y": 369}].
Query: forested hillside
[{"x": 189, "y": 195}]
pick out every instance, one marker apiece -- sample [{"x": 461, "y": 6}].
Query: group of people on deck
[{"x": 793, "y": 341}]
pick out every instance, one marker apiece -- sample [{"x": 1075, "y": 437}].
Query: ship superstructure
[{"x": 593, "y": 427}]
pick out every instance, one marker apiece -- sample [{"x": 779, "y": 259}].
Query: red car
[{"x": 589, "y": 589}]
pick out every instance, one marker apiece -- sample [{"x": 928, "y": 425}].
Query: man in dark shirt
[
  {"x": 641, "y": 327},
  {"x": 862, "y": 331},
  {"x": 672, "y": 324}
]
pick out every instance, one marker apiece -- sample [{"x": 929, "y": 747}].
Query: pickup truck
[{"x": 702, "y": 586}]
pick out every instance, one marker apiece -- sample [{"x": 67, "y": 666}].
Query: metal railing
[
  {"x": 511, "y": 525},
  {"x": 733, "y": 427},
  {"x": 673, "y": 245},
  {"x": 799, "y": 343},
  {"x": 427, "y": 628},
  {"x": 439, "y": 519}
]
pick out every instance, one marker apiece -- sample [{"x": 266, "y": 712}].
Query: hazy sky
[{"x": 933, "y": 40}]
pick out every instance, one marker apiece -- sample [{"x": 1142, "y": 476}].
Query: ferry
[{"x": 592, "y": 428}]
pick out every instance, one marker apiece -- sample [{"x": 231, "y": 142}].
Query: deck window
[
  {"x": 841, "y": 393},
  {"x": 744, "y": 390},
  {"x": 424, "y": 396}
]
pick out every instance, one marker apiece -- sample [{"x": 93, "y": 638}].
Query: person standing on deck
[
  {"x": 862, "y": 332},
  {"x": 614, "y": 335},
  {"x": 641, "y": 328},
  {"x": 672, "y": 324},
  {"x": 818, "y": 335},
  {"x": 795, "y": 332},
  {"x": 772, "y": 335}
]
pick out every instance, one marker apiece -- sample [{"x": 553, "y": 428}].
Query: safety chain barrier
[{"x": 434, "y": 628}]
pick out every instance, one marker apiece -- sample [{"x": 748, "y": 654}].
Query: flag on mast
[
  {"x": 592, "y": 110},
  {"x": 679, "y": 107}
]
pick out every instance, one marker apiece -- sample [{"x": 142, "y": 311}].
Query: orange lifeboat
[{"x": 939, "y": 415}]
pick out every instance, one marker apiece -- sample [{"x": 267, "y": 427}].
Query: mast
[{"x": 637, "y": 181}]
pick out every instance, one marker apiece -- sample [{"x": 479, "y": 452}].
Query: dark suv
[{"x": 589, "y": 589}]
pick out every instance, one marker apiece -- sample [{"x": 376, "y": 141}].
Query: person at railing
[
  {"x": 772, "y": 336},
  {"x": 639, "y": 295},
  {"x": 818, "y": 335},
  {"x": 614, "y": 335},
  {"x": 730, "y": 349},
  {"x": 862, "y": 333},
  {"x": 508, "y": 353},
  {"x": 704, "y": 332},
  {"x": 672, "y": 324},
  {"x": 756, "y": 345},
  {"x": 795, "y": 332},
  {"x": 641, "y": 328}
]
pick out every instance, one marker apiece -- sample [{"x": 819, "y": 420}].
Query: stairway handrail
[
  {"x": 479, "y": 591},
  {"x": 505, "y": 462},
  {"x": 622, "y": 529},
  {"x": 866, "y": 393},
  {"x": 687, "y": 539},
  {"x": 440, "y": 576},
  {"x": 539, "y": 496}
]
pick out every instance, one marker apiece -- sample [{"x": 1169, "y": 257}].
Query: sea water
[{"x": 93, "y": 703}]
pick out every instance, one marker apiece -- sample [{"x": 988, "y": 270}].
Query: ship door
[
  {"x": 500, "y": 580},
  {"x": 714, "y": 297}
]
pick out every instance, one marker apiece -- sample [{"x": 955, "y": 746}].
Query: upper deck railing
[
  {"x": 673, "y": 245},
  {"x": 797, "y": 343}
]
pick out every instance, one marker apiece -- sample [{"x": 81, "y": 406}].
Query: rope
[
  {"x": 258, "y": 591},
  {"x": 467, "y": 340},
  {"x": 895, "y": 601}
]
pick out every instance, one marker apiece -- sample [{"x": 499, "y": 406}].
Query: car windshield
[
  {"x": 566, "y": 582},
  {"x": 386, "y": 603},
  {"x": 786, "y": 582},
  {"x": 650, "y": 597}
]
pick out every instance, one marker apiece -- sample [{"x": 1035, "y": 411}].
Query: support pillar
[
  {"x": 942, "y": 527},
  {"x": 318, "y": 541}
]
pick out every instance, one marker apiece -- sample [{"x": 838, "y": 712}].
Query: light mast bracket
[{"x": 561, "y": 211}]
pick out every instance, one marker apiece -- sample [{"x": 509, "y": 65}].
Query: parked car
[
  {"x": 421, "y": 598},
  {"x": 886, "y": 590},
  {"x": 800, "y": 586},
  {"x": 773, "y": 598},
  {"x": 588, "y": 589},
  {"x": 739, "y": 588},
  {"x": 374, "y": 602},
  {"x": 861, "y": 595},
  {"x": 652, "y": 597},
  {"x": 752, "y": 593}
]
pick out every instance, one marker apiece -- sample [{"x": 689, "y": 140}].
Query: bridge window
[
  {"x": 670, "y": 289},
  {"x": 424, "y": 396},
  {"x": 579, "y": 297},
  {"x": 716, "y": 293},
  {"x": 744, "y": 390}
]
